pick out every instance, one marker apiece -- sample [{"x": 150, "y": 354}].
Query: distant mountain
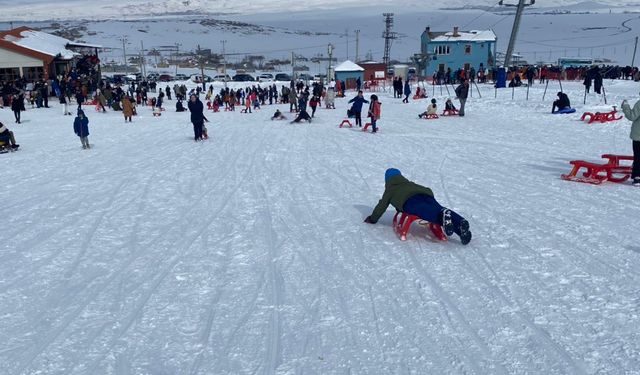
[{"x": 35, "y": 10}]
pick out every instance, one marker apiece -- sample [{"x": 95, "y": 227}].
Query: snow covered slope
[
  {"x": 152, "y": 254},
  {"x": 33, "y": 10}
]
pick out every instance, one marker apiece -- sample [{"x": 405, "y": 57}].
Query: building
[
  {"x": 457, "y": 49},
  {"x": 349, "y": 72},
  {"x": 35, "y": 55},
  {"x": 374, "y": 71}
]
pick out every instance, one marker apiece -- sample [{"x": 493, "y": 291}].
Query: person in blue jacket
[
  {"x": 414, "y": 199},
  {"x": 407, "y": 92},
  {"x": 356, "y": 108},
  {"x": 81, "y": 128}
]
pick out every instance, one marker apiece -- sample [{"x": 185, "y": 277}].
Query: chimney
[{"x": 455, "y": 32}]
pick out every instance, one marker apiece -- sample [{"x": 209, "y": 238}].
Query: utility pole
[
  {"x": 143, "y": 63},
  {"x": 357, "y": 45},
  {"x": 124, "y": 53},
  {"x": 201, "y": 63},
  {"x": 224, "y": 60},
  {"x": 516, "y": 25},
  {"x": 330, "y": 69},
  {"x": 177, "y": 54},
  {"x": 293, "y": 66},
  {"x": 388, "y": 36},
  {"x": 346, "y": 34},
  {"x": 635, "y": 48}
]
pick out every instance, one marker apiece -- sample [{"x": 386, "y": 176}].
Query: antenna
[{"x": 388, "y": 36}]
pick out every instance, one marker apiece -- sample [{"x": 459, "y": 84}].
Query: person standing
[
  {"x": 197, "y": 116},
  {"x": 81, "y": 128},
  {"x": 127, "y": 108},
  {"x": 407, "y": 92},
  {"x": 17, "y": 106},
  {"x": 462, "y": 92},
  {"x": 633, "y": 114},
  {"x": 374, "y": 112},
  {"x": 356, "y": 108}
]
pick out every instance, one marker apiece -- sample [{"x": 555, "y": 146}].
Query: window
[
  {"x": 33, "y": 74},
  {"x": 467, "y": 49},
  {"x": 9, "y": 74},
  {"x": 441, "y": 50}
]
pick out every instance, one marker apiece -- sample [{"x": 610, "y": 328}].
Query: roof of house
[
  {"x": 349, "y": 66},
  {"x": 37, "y": 44},
  {"x": 464, "y": 36}
]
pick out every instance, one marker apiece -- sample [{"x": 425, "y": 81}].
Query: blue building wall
[
  {"x": 481, "y": 52},
  {"x": 349, "y": 78}
]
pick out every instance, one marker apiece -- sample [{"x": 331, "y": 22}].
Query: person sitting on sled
[
  {"x": 414, "y": 199},
  {"x": 448, "y": 105},
  {"x": 562, "y": 103},
  {"x": 432, "y": 109},
  {"x": 278, "y": 116}
]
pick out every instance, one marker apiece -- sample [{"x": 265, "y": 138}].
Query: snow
[
  {"x": 246, "y": 253},
  {"x": 472, "y": 36},
  {"x": 32, "y": 10},
  {"x": 349, "y": 66},
  {"x": 49, "y": 44}
]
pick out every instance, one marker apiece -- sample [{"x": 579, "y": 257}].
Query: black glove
[{"x": 368, "y": 220}]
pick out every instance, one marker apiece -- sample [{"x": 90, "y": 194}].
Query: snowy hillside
[
  {"x": 33, "y": 10},
  {"x": 246, "y": 253}
]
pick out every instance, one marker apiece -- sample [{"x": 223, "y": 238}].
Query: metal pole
[
  {"x": 635, "y": 48},
  {"x": 293, "y": 69},
  {"x": 514, "y": 32},
  {"x": 346, "y": 34},
  {"x": 357, "y": 45},
  {"x": 527, "y": 92},
  {"x": 224, "y": 59},
  {"x": 478, "y": 88},
  {"x": 585, "y": 95},
  {"x": 545, "y": 90},
  {"x": 124, "y": 53},
  {"x": 604, "y": 93},
  {"x": 177, "y": 53}
]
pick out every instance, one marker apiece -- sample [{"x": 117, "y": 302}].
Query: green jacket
[
  {"x": 634, "y": 116},
  {"x": 396, "y": 192}
]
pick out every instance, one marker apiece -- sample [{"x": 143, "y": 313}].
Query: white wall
[{"x": 10, "y": 59}]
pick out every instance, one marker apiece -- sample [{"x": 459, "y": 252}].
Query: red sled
[
  {"x": 401, "y": 226},
  {"x": 601, "y": 117},
  {"x": 450, "y": 112},
  {"x": 345, "y": 123},
  {"x": 366, "y": 126},
  {"x": 431, "y": 117},
  {"x": 596, "y": 173}
]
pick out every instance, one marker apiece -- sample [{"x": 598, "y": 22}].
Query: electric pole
[
  {"x": 330, "y": 69},
  {"x": 143, "y": 63},
  {"x": 516, "y": 25},
  {"x": 293, "y": 66},
  {"x": 388, "y": 36},
  {"x": 224, "y": 60},
  {"x": 346, "y": 34},
  {"x": 124, "y": 53},
  {"x": 177, "y": 54},
  {"x": 635, "y": 48},
  {"x": 357, "y": 45}
]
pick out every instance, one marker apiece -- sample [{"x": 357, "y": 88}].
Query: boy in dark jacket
[
  {"x": 81, "y": 128},
  {"x": 414, "y": 199},
  {"x": 356, "y": 108},
  {"x": 562, "y": 102}
]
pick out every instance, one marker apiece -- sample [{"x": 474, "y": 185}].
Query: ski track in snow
[{"x": 150, "y": 254}]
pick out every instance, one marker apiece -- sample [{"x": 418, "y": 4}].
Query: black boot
[{"x": 465, "y": 233}]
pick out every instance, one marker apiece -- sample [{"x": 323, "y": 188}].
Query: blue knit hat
[{"x": 390, "y": 173}]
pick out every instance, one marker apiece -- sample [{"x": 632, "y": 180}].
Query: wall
[{"x": 480, "y": 53}]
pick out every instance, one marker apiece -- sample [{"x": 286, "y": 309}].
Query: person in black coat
[
  {"x": 17, "y": 106},
  {"x": 197, "y": 116},
  {"x": 562, "y": 102}
]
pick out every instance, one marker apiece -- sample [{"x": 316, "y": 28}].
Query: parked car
[
  {"x": 181, "y": 77},
  {"x": 197, "y": 78},
  {"x": 153, "y": 76},
  {"x": 320, "y": 77},
  {"x": 165, "y": 78},
  {"x": 243, "y": 77},
  {"x": 221, "y": 77},
  {"x": 283, "y": 77},
  {"x": 265, "y": 77},
  {"x": 305, "y": 77}
]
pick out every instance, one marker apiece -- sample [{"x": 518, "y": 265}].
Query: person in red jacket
[{"x": 374, "y": 112}]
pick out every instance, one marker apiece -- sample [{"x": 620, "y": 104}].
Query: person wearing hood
[
  {"x": 633, "y": 114},
  {"x": 407, "y": 91},
  {"x": 197, "y": 116},
  {"x": 414, "y": 199},
  {"x": 6, "y": 136},
  {"x": 81, "y": 128},
  {"x": 356, "y": 107}
]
